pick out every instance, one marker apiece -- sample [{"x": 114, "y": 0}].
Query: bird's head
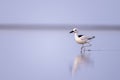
[{"x": 74, "y": 30}]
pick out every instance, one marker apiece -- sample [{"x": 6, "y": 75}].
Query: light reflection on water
[{"x": 48, "y": 54}]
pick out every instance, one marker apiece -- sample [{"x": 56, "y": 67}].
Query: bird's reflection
[{"x": 81, "y": 59}]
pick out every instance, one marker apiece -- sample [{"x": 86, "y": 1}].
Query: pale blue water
[{"x": 49, "y": 54}]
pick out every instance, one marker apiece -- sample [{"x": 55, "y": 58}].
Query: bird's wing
[
  {"x": 80, "y": 35},
  {"x": 84, "y": 38},
  {"x": 91, "y": 37}
]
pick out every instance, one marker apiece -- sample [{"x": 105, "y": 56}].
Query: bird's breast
[{"x": 80, "y": 41}]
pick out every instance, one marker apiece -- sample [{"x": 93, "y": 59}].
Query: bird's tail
[{"x": 91, "y": 37}]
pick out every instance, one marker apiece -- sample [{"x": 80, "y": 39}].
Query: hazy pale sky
[{"x": 60, "y": 11}]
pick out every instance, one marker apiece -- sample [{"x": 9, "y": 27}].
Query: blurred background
[{"x": 35, "y": 43}]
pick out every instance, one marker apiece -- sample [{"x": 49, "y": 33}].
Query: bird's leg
[
  {"x": 88, "y": 46},
  {"x": 82, "y": 49}
]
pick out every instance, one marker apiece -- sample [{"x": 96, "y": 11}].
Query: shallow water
[{"x": 49, "y": 55}]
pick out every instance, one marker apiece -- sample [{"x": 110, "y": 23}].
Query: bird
[{"x": 81, "y": 39}]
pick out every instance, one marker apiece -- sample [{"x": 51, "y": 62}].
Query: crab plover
[{"x": 81, "y": 39}]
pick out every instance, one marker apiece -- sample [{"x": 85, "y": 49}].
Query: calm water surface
[{"x": 49, "y": 55}]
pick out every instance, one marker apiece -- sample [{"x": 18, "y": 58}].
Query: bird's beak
[{"x": 71, "y": 31}]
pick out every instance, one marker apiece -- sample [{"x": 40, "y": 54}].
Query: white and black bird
[{"x": 81, "y": 39}]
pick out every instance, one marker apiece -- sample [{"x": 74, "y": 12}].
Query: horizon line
[{"x": 58, "y": 26}]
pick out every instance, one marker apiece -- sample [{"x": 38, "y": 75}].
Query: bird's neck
[{"x": 76, "y": 35}]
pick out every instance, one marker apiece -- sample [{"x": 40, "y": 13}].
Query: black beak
[{"x": 71, "y": 31}]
